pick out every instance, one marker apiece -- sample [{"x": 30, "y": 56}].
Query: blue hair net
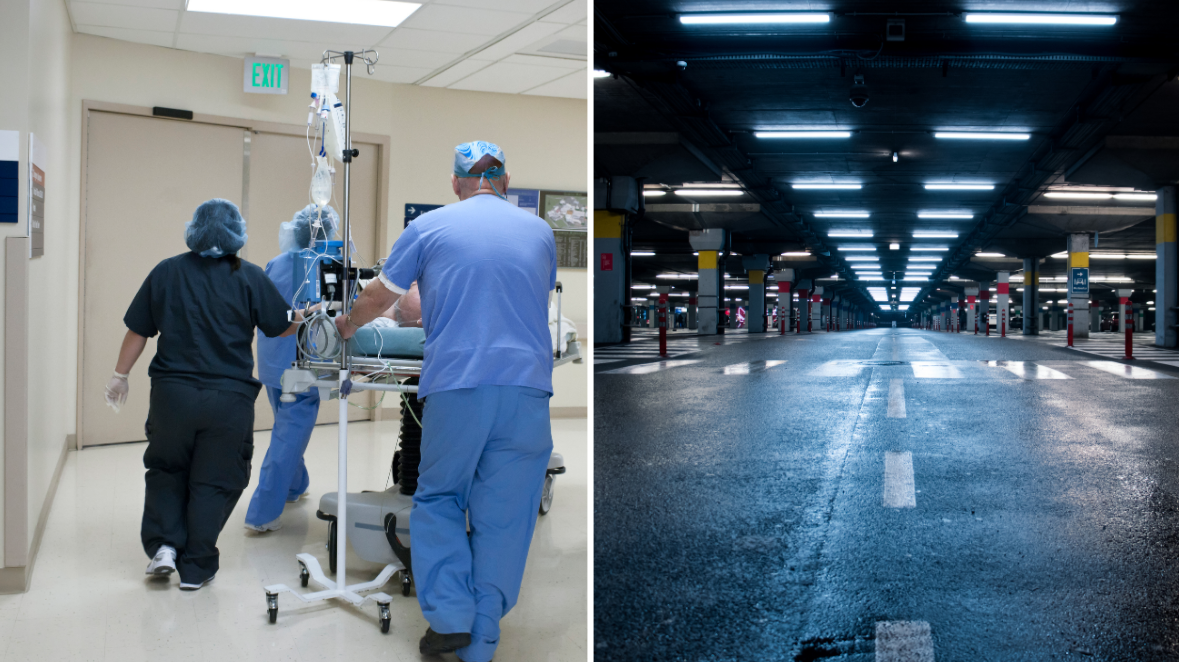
[
  {"x": 296, "y": 234},
  {"x": 216, "y": 229},
  {"x": 467, "y": 155}
]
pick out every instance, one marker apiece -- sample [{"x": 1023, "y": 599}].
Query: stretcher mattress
[{"x": 389, "y": 342}]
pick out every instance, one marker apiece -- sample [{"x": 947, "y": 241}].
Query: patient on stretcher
[{"x": 406, "y": 311}]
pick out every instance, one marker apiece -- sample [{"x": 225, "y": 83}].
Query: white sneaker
[
  {"x": 298, "y": 498},
  {"x": 263, "y": 528},
  {"x": 186, "y": 586},
  {"x": 164, "y": 562}
]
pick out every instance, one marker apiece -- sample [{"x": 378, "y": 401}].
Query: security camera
[{"x": 859, "y": 92}]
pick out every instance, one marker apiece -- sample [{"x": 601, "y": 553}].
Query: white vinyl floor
[{"x": 90, "y": 600}]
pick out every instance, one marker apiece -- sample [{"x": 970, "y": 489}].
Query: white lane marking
[
  {"x": 1127, "y": 371},
  {"x": 1020, "y": 369},
  {"x": 750, "y": 366},
  {"x": 774, "y": 364},
  {"x": 898, "y": 480},
  {"x": 904, "y": 641},
  {"x": 1173, "y": 364},
  {"x": 929, "y": 370},
  {"x": 896, "y": 398},
  {"x": 737, "y": 369},
  {"x": 646, "y": 368},
  {"x": 838, "y": 369}
]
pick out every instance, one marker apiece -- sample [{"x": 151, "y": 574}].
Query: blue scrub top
[
  {"x": 276, "y": 354},
  {"x": 484, "y": 268}
]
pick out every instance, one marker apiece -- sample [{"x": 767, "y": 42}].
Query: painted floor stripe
[
  {"x": 927, "y": 370},
  {"x": 646, "y": 368},
  {"x": 898, "y": 480},
  {"x": 1127, "y": 371},
  {"x": 1028, "y": 370},
  {"x": 750, "y": 366},
  {"x": 904, "y": 641},
  {"x": 1173, "y": 364},
  {"x": 896, "y": 398}
]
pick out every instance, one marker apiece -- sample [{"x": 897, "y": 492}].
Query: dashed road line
[
  {"x": 899, "y": 489},
  {"x": 896, "y": 398},
  {"x": 904, "y": 641}
]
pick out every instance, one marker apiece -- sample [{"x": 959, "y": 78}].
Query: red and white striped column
[{"x": 1003, "y": 290}]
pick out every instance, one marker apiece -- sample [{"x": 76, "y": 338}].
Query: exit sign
[{"x": 266, "y": 75}]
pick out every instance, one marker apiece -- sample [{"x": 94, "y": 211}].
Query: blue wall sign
[
  {"x": 412, "y": 211},
  {"x": 1079, "y": 281}
]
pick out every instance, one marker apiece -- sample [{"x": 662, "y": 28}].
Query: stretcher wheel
[
  {"x": 546, "y": 494},
  {"x": 272, "y": 607},
  {"x": 384, "y": 617},
  {"x": 406, "y": 583},
  {"x": 304, "y": 575},
  {"x": 332, "y": 546}
]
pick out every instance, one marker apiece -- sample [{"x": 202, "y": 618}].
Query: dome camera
[{"x": 859, "y": 92}]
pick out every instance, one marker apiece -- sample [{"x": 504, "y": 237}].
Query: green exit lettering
[{"x": 266, "y": 75}]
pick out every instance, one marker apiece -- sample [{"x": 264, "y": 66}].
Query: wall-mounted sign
[
  {"x": 37, "y": 167},
  {"x": 525, "y": 198},
  {"x": 412, "y": 211},
  {"x": 565, "y": 210},
  {"x": 9, "y": 176},
  {"x": 1078, "y": 282},
  {"x": 266, "y": 75}
]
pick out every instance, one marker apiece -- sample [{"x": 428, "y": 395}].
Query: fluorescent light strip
[
  {"x": 1042, "y": 19},
  {"x": 862, "y": 258},
  {"x": 857, "y": 248},
  {"x": 796, "y": 254},
  {"x": 849, "y": 233},
  {"x": 385, "y": 13},
  {"x": 842, "y": 214},
  {"x": 642, "y": 254},
  {"x": 980, "y": 135},
  {"x": 1081, "y": 195},
  {"x": 753, "y": 18},
  {"x": 929, "y": 248},
  {"x": 922, "y": 258},
  {"x": 828, "y": 186},
  {"x": 653, "y": 194},
  {"x": 959, "y": 187},
  {"x": 935, "y": 235},
  {"x": 989, "y": 255},
  {"x": 802, "y": 134},
  {"x": 598, "y": 73},
  {"x": 934, "y": 214},
  {"x": 693, "y": 192}
]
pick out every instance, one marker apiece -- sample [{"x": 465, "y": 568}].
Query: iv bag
[
  {"x": 321, "y": 182},
  {"x": 325, "y": 79}
]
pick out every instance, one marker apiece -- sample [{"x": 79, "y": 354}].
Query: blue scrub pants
[
  {"x": 484, "y": 455},
  {"x": 284, "y": 476}
]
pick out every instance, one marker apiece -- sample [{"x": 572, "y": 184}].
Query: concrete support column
[
  {"x": 755, "y": 317},
  {"x": 1078, "y": 258},
  {"x": 953, "y": 316},
  {"x": 1123, "y": 304},
  {"x": 652, "y": 313},
  {"x": 984, "y": 307},
  {"x": 710, "y": 295},
  {"x": 1166, "y": 274},
  {"x": 1031, "y": 298},
  {"x": 816, "y": 321},
  {"x": 1003, "y": 306},
  {"x": 610, "y": 295},
  {"x": 785, "y": 276},
  {"x": 692, "y": 313},
  {"x": 971, "y": 308},
  {"x": 826, "y": 315},
  {"x": 1095, "y": 311},
  {"x": 804, "y": 306}
]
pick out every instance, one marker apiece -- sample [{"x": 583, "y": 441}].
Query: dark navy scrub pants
[{"x": 200, "y": 442}]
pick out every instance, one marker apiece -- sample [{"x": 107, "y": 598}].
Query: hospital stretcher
[{"x": 388, "y": 360}]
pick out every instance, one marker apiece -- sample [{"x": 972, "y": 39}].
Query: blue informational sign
[
  {"x": 525, "y": 198},
  {"x": 1079, "y": 282},
  {"x": 412, "y": 211}
]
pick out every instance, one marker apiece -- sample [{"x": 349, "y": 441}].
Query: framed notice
[
  {"x": 565, "y": 210},
  {"x": 572, "y": 247},
  {"x": 525, "y": 198}
]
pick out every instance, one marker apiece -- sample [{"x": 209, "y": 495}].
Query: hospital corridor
[{"x": 296, "y": 332}]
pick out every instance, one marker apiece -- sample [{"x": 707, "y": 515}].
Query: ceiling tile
[
  {"x": 155, "y": 4},
  {"x": 463, "y": 19},
  {"x": 560, "y": 62},
  {"x": 433, "y": 40},
  {"x": 522, "y": 6},
  {"x": 123, "y": 34},
  {"x": 404, "y": 57},
  {"x": 327, "y": 34},
  {"x": 525, "y": 37},
  {"x": 508, "y": 78},
  {"x": 121, "y": 16},
  {"x": 455, "y": 73},
  {"x": 574, "y": 12},
  {"x": 573, "y": 86},
  {"x": 241, "y": 46},
  {"x": 394, "y": 74}
]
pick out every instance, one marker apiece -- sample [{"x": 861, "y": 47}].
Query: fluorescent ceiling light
[
  {"x": 753, "y": 18},
  {"x": 894, "y": 247},
  {"x": 981, "y": 135},
  {"x": 917, "y": 279},
  {"x": 598, "y": 73},
  {"x": 862, "y": 258},
  {"x": 935, "y": 235},
  {"x": 857, "y": 248},
  {"x": 1136, "y": 196},
  {"x": 651, "y": 194},
  {"x": 989, "y": 255},
  {"x": 641, "y": 253},
  {"x": 850, "y": 233},
  {"x": 922, "y": 258},
  {"x": 938, "y": 214},
  {"x": 1042, "y": 19},
  {"x": 1078, "y": 196},
  {"x": 903, "y": 307},
  {"x": 828, "y": 186},
  {"x": 842, "y": 214},
  {"x": 385, "y": 13},
  {"x": 929, "y": 248},
  {"x": 959, "y": 187},
  {"x": 679, "y": 276},
  {"x": 802, "y": 134},
  {"x": 702, "y": 192},
  {"x": 642, "y": 287},
  {"x": 1142, "y": 257},
  {"x": 796, "y": 254}
]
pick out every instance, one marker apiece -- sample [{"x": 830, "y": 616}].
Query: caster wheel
[
  {"x": 546, "y": 495},
  {"x": 304, "y": 575},
  {"x": 406, "y": 583},
  {"x": 385, "y": 618},
  {"x": 272, "y": 607},
  {"x": 332, "y": 547}
]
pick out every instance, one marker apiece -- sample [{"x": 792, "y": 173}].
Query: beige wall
[{"x": 544, "y": 138}]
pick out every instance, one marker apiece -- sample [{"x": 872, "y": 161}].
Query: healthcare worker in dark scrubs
[{"x": 204, "y": 305}]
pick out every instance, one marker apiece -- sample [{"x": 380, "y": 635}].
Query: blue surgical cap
[
  {"x": 216, "y": 229},
  {"x": 467, "y": 155},
  {"x": 296, "y": 234}
]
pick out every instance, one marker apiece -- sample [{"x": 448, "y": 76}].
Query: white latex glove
[{"x": 116, "y": 391}]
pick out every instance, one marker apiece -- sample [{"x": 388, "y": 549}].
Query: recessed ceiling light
[
  {"x": 1042, "y": 19},
  {"x": 827, "y": 186},
  {"x": 802, "y": 134},
  {"x": 842, "y": 214},
  {"x": 702, "y": 192},
  {"x": 753, "y": 18},
  {"x": 642, "y": 253},
  {"x": 385, "y": 13},
  {"x": 938, "y": 214},
  {"x": 959, "y": 187},
  {"x": 981, "y": 135}
]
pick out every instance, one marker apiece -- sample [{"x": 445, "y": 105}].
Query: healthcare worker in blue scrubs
[
  {"x": 485, "y": 269},
  {"x": 284, "y": 477}
]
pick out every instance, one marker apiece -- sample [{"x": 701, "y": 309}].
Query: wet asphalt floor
[{"x": 885, "y": 494}]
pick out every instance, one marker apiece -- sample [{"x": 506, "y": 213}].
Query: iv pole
[{"x": 310, "y": 568}]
